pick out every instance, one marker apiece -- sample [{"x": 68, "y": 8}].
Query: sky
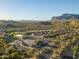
[{"x": 36, "y": 9}]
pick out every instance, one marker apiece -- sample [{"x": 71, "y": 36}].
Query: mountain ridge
[{"x": 66, "y": 16}]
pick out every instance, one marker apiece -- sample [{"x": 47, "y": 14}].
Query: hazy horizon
[{"x": 36, "y": 9}]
